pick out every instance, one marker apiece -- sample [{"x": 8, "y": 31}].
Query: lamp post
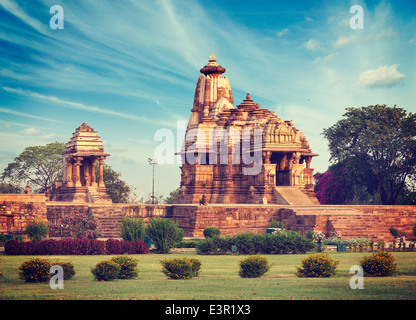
[{"x": 153, "y": 163}]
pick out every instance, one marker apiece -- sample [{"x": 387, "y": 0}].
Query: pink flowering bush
[
  {"x": 328, "y": 189},
  {"x": 79, "y": 225}
]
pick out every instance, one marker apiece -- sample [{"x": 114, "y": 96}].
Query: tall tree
[
  {"x": 172, "y": 195},
  {"x": 117, "y": 189},
  {"x": 377, "y": 146},
  {"x": 37, "y": 165}
]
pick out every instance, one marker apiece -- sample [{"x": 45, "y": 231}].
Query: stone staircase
[
  {"x": 293, "y": 195},
  {"x": 360, "y": 226},
  {"x": 346, "y": 221},
  {"x": 109, "y": 219},
  {"x": 95, "y": 196}
]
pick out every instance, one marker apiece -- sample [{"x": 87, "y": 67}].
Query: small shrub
[
  {"x": 35, "y": 270},
  {"x": 379, "y": 264},
  {"x": 18, "y": 238},
  {"x": 248, "y": 243},
  {"x": 13, "y": 247},
  {"x": 114, "y": 246},
  {"x": 253, "y": 266},
  {"x": 37, "y": 229},
  {"x": 80, "y": 225},
  {"x": 3, "y": 240},
  {"x": 211, "y": 232},
  {"x": 106, "y": 270},
  {"x": 188, "y": 244},
  {"x": 181, "y": 268},
  {"x": 164, "y": 233},
  {"x": 132, "y": 229},
  {"x": 245, "y": 243},
  {"x": 68, "y": 268},
  {"x": 277, "y": 224},
  {"x": 318, "y": 265},
  {"x": 318, "y": 238},
  {"x": 128, "y": 266}
]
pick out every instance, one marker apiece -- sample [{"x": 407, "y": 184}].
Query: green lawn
[{"x": 218, "y": 280}]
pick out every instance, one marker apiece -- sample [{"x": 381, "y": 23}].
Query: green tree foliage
[
  {"x": 375, "y": 147},
  {"x": 172, "y": 195},
  {"x": 164, "y": 233},
  {"x": 132, "y": 229},
  {"x": 9, "y": 188},
  {"x": 38, "y": 165},
  {"x": 37, "y": 229},
  {"x": 117, "y": 189}
]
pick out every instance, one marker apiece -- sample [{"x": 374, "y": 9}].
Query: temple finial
[
  {"x": 212, "y": 57},
  {"x": 248, "y": 97}
]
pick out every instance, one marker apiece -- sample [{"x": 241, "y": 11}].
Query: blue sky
[{"x": 129, "y": 68}]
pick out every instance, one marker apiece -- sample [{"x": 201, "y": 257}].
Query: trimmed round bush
[
  {"x": 181, "y": 268},
  {"x": 35, "y": 270},
  {"x": 106, "y": 270},
  {"x": 379, "y": 264},
  {"x": 211, "y": 232},
  {"x": 319, "y": 265},
  {"x": 253, "y": 266},
  {"x": 37, "y": 229},
  {"x": 68, "y": 268},
  {"x": 128, "y": 266}
]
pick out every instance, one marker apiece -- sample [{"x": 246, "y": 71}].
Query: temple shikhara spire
[{"x": 243, "y": 153}]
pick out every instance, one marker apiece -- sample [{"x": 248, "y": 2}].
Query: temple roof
[
  {"x": 212, "y": 67},
  {"x": 248, "y": 103},
  {"x": 84, "y": 128},
  {"x": 85, "y": 142}
]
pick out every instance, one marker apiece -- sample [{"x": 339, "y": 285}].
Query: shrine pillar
[
  {"x": 69, "y": 174},
  {"x": 77, "y": 165},
  {"x": 93, "y": 177},
  {"x": 101, "y": 173}
]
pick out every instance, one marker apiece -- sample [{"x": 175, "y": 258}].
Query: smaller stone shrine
[{"x": 82, "y": 154}]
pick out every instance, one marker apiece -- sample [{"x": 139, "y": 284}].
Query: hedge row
[
  {"x": 74, "y": 246},
  {"x": 248, "y": 243}
]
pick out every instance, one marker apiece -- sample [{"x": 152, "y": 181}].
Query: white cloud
[
  {"x": 80, "y": 106},
  {"x": 326, "y": 58},
  {"x": 282, "y": 32},
  {"x": 312, "y": 45},
  {"x": 342, "y": 41},
  {"x": 384, "y": 76},
  {"x": 14, "y": 9},
  {"x": 31, "y": 131},
  {"x": 48, "y": 136},
  {"x": 26, "y": 115}
]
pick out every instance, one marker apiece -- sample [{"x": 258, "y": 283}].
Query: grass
[{"x": 218, "y": 280}]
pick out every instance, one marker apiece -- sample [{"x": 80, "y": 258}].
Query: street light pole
[{"x": 153, "y": 163}]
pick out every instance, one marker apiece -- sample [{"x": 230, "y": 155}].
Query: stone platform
[
  {"x": 370, "y": 222},
  {"x": 347, "y": 221}
]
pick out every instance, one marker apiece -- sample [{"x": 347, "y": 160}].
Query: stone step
[
  {"x": 109, "y": 222},
  {"x": 293, "y": 195}
]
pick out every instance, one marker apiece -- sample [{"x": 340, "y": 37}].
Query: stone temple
[
  {"x": 83, "y": 153},
  {"x": 243, "y": 154}
]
